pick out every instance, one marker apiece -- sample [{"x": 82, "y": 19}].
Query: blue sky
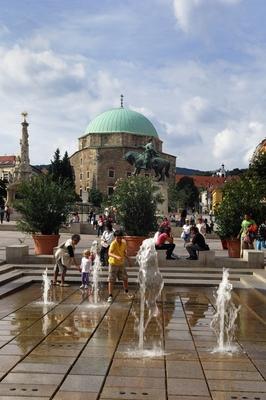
[{"x": 195, "y": 68}]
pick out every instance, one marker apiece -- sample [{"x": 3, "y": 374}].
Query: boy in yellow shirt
[{"x": 117, "y": 270}]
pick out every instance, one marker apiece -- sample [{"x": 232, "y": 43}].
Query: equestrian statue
[{"x": 149, "y": 159}]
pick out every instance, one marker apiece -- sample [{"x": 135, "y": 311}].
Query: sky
[{"x": 195, "y": 68}]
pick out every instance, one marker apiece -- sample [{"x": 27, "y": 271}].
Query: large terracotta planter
[
  {"x": 44, "y": 244},
  {"x": 133, "y": 244},
  {"x": 224, "y": 244},
  {"x": 233, "y": 248}
]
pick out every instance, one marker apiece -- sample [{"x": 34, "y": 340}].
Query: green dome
[{"x": 122, "y": 120}]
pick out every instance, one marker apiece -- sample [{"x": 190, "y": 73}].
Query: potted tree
[
  {"x": 135, "y": 200},
  {"x": 239, "y": 197},
  {"x": 44, "y": 205}
]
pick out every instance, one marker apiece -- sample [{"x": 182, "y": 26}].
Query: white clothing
[
  {"x": 155, "y": 237},
  {"x": 86, "y": 264},
  {"x": 107, "y": 238},
  {"x": 202, "y": 228},
  {"x": 186, "y": 229},
  {"x": 63, "y": 254}
]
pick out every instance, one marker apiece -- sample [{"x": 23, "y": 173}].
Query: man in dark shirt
[{"x": 197, "y": 244}]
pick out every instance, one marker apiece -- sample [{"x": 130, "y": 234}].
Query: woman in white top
[
  {"x": 185, "y": 235},
  {"x": 106, "y": 240},
  {"x": 201, "y": 227}
]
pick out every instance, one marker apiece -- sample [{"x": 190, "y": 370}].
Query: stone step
[
  {"x": 252, "y": 282},
  {"x": 260, "y": 275},
  {"x": 14, "y": 286},
  {"x": 134, "y": 274},
  {"x": 163, "y": 269},
  {"x": 10, "y": 276}
]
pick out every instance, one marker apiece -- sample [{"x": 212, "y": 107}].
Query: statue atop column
[
  {"x": 22, "y": 170},
  {"x": 24, "y": 167}
]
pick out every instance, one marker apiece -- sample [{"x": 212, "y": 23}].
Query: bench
[
  {"x": 255, "y": 258},
  {"x": 15, "y": 252},
  {"x": 206, "y": 257}
]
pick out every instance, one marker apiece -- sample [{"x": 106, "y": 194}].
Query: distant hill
[
  {"x": 189, "y": 172},
  {"x": 42, "y": 166}
]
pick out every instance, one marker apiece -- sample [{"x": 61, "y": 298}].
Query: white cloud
[
  {"x": 194, "y": 108},
  {"x": 185, "y": 10},
  {"x": 238, "y": 143}
]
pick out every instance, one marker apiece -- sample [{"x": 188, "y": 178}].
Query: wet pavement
[{"x": 74, "y": 349}]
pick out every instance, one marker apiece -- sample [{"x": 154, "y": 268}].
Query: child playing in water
[{"x": 86, "y": 268}]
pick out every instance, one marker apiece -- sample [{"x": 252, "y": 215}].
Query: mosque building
[{"x": 99, "y": 161}]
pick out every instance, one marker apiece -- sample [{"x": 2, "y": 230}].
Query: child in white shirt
[{"x": 86, "y": 268}]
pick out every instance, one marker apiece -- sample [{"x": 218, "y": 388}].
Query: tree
[
  {"x": 187, "y": 192},
  {"x": 244, "y": 195},
  {"x": 3, "y": 192},
  {"x": 61, "y": 170},
  {"x": 95, "y": 197},
  {"x": 135, "y": 200},
  {"x": 172, "y": 197},
  {"x": 44, "y": 204}
]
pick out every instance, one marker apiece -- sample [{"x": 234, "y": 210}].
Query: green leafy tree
[
  {"x": 172, "y": 197},
  {"x": 187, "y": 192},
  {"x": 61, "y": 170},
  {"x": 95, "y": 197},
  {"x": 244, "y": 195},
  {"x": 135, "y": 200},
  {"x": 44, "y": 205},
  {"x": 3, "y": 192}
]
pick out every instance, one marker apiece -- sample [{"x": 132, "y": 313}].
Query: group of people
[
  {"x": 5, "y": 212},
  {"x": 113, "y": 251},
  {"x": 250, "y": 232},
  {"x": 194, "y": 239},
  {"x": 113, "y": 246}
]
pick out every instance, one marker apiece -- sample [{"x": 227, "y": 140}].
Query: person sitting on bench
[
  {"x": 197, "y": 244},
  {"x": 161, "y": 244}
]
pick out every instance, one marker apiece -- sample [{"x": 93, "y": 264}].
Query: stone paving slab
[
  {"x": 75, "y": 396},
  {"x": 82, "y": 383},
  {"x": 123, "y": 392},
  {"x": 30, "y": 390},
  {"x": 187, "y": 387},
  {"x": 238, "y": 395}
]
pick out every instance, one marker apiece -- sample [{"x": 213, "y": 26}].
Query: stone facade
[{"x": 99, "y": 161}]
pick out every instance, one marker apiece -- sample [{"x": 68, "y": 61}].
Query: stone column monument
[{"x": 22, "y": 170}]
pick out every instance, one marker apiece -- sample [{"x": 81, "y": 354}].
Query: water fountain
[
  {"x": 46, "y": 286},
  {"x": 95, "y": 272},
  {"x": 151, "y": 285},
  {"x": 223, "y": 322}
]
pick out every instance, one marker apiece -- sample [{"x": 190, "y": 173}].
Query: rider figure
[{"x": 148, "y": 154}]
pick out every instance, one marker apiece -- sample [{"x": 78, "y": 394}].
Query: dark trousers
[
  {"x": 169, "y": 247},
  {"x": 85, "y": 278},
  {"x": 100, "y": 230},
  {"x": 104, "y": 255}
]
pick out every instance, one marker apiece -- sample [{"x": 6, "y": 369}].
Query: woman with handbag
[{"x": 106, "y": 240}]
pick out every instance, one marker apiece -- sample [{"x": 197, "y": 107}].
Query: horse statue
[{"x": 159, "y": 165}]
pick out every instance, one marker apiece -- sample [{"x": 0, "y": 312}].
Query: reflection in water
[
  {"x": 46, "y": 285},
  {"x": 223, "y": 322},
  {"x": 45, "y": 320},
  {"x": 196, "y": 307},
  {"x": 96, "y": 271}
]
